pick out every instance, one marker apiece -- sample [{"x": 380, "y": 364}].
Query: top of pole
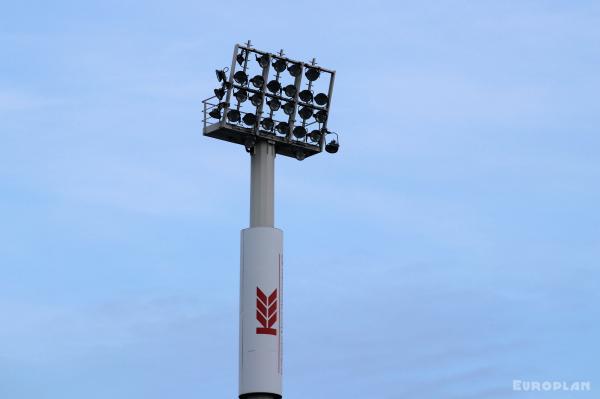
[
  {"x": 259, "y": 103},
  {"x": 262, "y": 185}
]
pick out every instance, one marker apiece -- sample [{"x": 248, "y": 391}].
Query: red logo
[{"x": 266, "y": 311}]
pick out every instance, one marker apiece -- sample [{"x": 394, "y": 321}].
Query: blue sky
[{"x": 450, "y": 247}]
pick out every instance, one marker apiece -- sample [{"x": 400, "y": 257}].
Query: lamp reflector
[
  {"x": 274, "y": 86},
  {"x": 294, "y": 70},
  {"x": 305, "y": 113},
  {"x": 221, "y": 77},
  {"x": 321, "y": 116},
  {"x": 215, "y": 113},
  {"x": 267, "y": 123},
  {"x": 274, "y": 104},
  {"x": 233, "y": 115},
  {"x": 332, "y": 147},
  {"x": 263, "y": 60},
  {"x": 241, "y": 95},
  {"x": 283, "y": 127},
  {"x": 299, "y": 132},
  {"x": 305, "y": 96},
  {"x": 279, "y": 65},
  {"x": 249, "y": 119},
  {"x": 312, "y": 74},
  {"x": 240, "y": 77},
  {"x": 290, "y": 90},
  {"x": 241, "y": 57},
  {"x": 257, "y": 81},
  {"x": 256, "y": 99},
  {"x": 315, "y": 136},
  {"x": 220, "y": 92},
  {"x": 288, "y": 108},
  {"x": 321, "y": 98}
]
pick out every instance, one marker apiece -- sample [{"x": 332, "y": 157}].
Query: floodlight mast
[{"x": 261, "y": 260}]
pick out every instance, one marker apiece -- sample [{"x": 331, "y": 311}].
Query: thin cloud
[{"x": 23, "y": 101}]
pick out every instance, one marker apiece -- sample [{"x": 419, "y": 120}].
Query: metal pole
[
  {"x": 262, "y": 175},
  {"x": 261, "y": 284}
]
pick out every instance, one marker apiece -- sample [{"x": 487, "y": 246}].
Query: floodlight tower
[{"x": 263, "y": 119}]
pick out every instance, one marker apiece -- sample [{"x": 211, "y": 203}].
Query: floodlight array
[{"x": 272, "y": 96}]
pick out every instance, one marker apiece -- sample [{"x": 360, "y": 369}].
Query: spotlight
[
  {"x": 274, "y": 104},
  {"x": 332, "y": 147},
  {"x": 305, "y": 96},
  {"x": 220, "y": 93},
  {"x": 249, "y": 119},
  {"x": 305, "y": 112},
  {"x": 299, "y": 132},
  {"x": 274, "y": 86},
  {"x": 321, "y": 99},
  {"x": 241, "y": 95},
  {"x": 300, "y": 155},
  {"x": 257, "y": 81},
  {"x": 240, "y": 77},
  {"x": 256, "y": 99},
  {"x": 241, "y": 58},
  {"x": 283, "y": 127},
  {"x": 221, "y": 75},
  {"x": 290, "y": 90},
  {"x": 312, "y": 74},
  {"x": 233, "y": 115},
  {"x": 321, "y": 116},
  {"x": 215, "y": 113},
  {"x": 315, "y": 136},
  {"x": 267, "y": 123},
  {"x": 279, "y": 65},
  {"x": 294, "y": 70},
  {"x": 288, "y": 108},
  {"x": 263, "y": 60}
]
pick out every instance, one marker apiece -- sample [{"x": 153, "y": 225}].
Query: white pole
[
  {"x": 261, "y": 285},
  {"x": 262, "y": 182}
]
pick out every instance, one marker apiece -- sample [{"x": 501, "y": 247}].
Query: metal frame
[{"x": 286, "y": 145}]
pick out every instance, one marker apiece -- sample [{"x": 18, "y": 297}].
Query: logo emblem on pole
[{"x": 266, "y": 311}]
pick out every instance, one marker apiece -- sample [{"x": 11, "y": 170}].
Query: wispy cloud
[{"x": 25, "y": 101}]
